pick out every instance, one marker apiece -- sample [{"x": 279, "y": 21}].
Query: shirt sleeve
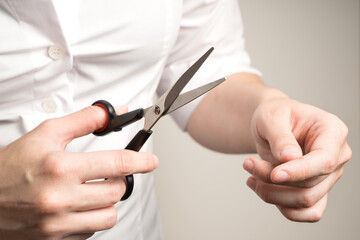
[{"x": 205, "y": 24}]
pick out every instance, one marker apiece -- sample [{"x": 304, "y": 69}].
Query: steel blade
[
  {"x": 160, "y": 108},
  {"x": 189, "y": 96},
  {"x": 183, "y": 80}
]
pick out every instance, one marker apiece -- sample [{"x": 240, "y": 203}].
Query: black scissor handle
[
  {"x": 135, "y": 144},
  {"x": 115, "y": 122}
]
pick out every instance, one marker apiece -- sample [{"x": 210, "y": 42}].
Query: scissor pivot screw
[{"x": 157, "y": 110}]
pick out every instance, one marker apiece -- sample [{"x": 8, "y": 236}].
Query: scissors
[{"x": 167, "y": 103}]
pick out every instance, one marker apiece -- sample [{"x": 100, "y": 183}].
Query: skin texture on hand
[
  {"x": 44, "y": 193},
  {"x": 302, "y": 148}
]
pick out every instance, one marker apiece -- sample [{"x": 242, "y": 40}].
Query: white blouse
[{"x": 59, "y": 56}]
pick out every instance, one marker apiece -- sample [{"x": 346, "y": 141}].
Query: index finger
[
  {"x": 78, "y": 124},
  {"x": 316, "y": 163},
  {"x": 325, "y": 149},
  {"x": 111, "y": 164}
]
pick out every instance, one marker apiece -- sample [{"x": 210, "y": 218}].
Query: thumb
[
  {"x": 284, "y": 147},
  {"x": 79, "y": 123},
  {"x": 282, "y": 142}
]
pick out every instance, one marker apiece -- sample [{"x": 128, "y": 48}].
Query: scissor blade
[
  {"x": 183, "y": 80},
  {"x": 193, "y": 94}
]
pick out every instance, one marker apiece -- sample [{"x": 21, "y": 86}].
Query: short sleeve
[{"x": 205, "y": 24}]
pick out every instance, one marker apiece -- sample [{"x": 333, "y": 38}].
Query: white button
[
  {"x": 49, "y": 105},
  {"x": 56, "y": 52}
]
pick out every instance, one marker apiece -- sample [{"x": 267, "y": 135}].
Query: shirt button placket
[
  {"x": 56, "y": 52},
  {"x": 49, "y": 105}
]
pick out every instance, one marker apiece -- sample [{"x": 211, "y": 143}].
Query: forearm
[{"x": 222, "y": 120}]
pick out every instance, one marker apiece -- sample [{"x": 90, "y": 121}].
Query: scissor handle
[
  {"x": 115, "y": 123},
  {"x": 135, "y": 144}
]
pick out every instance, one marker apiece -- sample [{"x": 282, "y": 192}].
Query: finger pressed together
[
  {"x": 77, "y": 222},
  {"x": 290, "y": 196},
  {"x": 109, "y": 164},
  {"x": 57, "y": 198}
]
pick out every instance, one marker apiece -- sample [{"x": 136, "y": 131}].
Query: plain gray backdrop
[{"x": 310, "y": 50}]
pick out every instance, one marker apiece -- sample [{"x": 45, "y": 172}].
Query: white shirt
[{"x": 59, "y": 56}]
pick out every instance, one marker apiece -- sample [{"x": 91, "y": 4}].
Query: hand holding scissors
[{"x": 167, "y": 103}]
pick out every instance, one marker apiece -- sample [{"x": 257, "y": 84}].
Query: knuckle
[
  {"x": 48, "y": 202},
  {"x": 289, "y": 213},
  {"x": 115, "y": 193},
  {"x": 110, "y": 219},
  {"x": 307, "y": 200},
  {"x": 316, "y": 215},
  {"x": 124, "y": 163},
  {"x": 54, "y": 166},
  {"x": 330, "y": 166},
  {"x": 290, "y": 216}
]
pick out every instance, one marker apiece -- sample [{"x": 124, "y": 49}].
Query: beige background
[{"x": 310, "y": 50}]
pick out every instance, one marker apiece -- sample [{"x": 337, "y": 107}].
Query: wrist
[{"x": 270, "y": 94}]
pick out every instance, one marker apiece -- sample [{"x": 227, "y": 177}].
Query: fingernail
[
  {"x": 281, "y": 176},
  {"x": 251, "y": 182},
  {"x": 248, "y": 165}
]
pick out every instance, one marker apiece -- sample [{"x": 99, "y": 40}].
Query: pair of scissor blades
[{"x": 167, "y": 103}]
